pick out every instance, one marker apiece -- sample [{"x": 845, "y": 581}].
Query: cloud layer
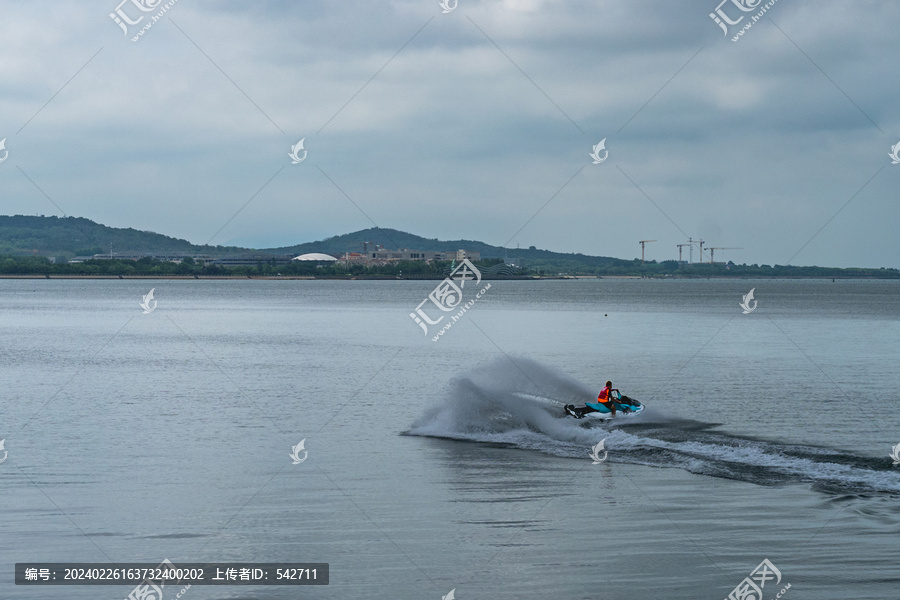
[{"x": 470, "y": 124}]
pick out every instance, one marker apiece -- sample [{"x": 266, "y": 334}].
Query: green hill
[
  {"x": 65, "y": 237},
  {"x": 75, "y": 236},
  {"x": 393, "y": 239},
  {"x": 32, "y": 240}
]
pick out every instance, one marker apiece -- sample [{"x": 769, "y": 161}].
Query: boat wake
[{"x": 521, "y": 406}]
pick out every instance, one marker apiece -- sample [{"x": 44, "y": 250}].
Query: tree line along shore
[{"x": 38, "y": 266}]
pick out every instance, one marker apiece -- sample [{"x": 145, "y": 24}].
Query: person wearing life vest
[{"x": 604, "y": 398}]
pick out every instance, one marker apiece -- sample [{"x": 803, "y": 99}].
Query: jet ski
[{"x": 625, "y": 407}]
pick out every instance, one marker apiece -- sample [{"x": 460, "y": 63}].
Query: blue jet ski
[{"x": 625, "y": 407}]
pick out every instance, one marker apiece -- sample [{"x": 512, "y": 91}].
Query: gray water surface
[{"x": 438, "y": 465}]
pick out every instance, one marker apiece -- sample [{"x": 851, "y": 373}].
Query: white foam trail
[{"x": 520, "y": 404}]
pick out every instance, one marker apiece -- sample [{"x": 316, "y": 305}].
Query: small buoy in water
[{"x": 605, "y": 315}]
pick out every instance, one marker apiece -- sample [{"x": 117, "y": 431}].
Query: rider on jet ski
[{"x": 604, "y": 398}]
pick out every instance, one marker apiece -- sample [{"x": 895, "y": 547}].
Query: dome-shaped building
[{"x": 315, "y": 256}]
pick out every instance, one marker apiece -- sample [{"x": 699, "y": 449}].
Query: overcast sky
[{"x": 476, "y": 124}]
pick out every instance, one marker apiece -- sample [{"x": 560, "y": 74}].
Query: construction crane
[
  {"x": 642, "y": 243},
  {"x": 680, "y": 246},
  {"x": 712, "y": 252},
  {"x": 690, "y": 243}
]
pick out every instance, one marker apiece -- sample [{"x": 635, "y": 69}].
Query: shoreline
[{"x": 390, "y": 278}]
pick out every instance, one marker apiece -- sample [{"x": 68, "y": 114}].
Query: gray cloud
[{"x": 750, "y": 144}]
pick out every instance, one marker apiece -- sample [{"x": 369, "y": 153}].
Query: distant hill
[
  {"x": 75, "y": 236},
  {"x": 393, "y": 239},
  {"x": 23, "y": 237}
]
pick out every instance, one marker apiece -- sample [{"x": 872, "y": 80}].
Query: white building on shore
[{"x": 380, "y": 255}]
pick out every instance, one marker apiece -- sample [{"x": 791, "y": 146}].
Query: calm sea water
[{"x": 448, "y": 465}]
